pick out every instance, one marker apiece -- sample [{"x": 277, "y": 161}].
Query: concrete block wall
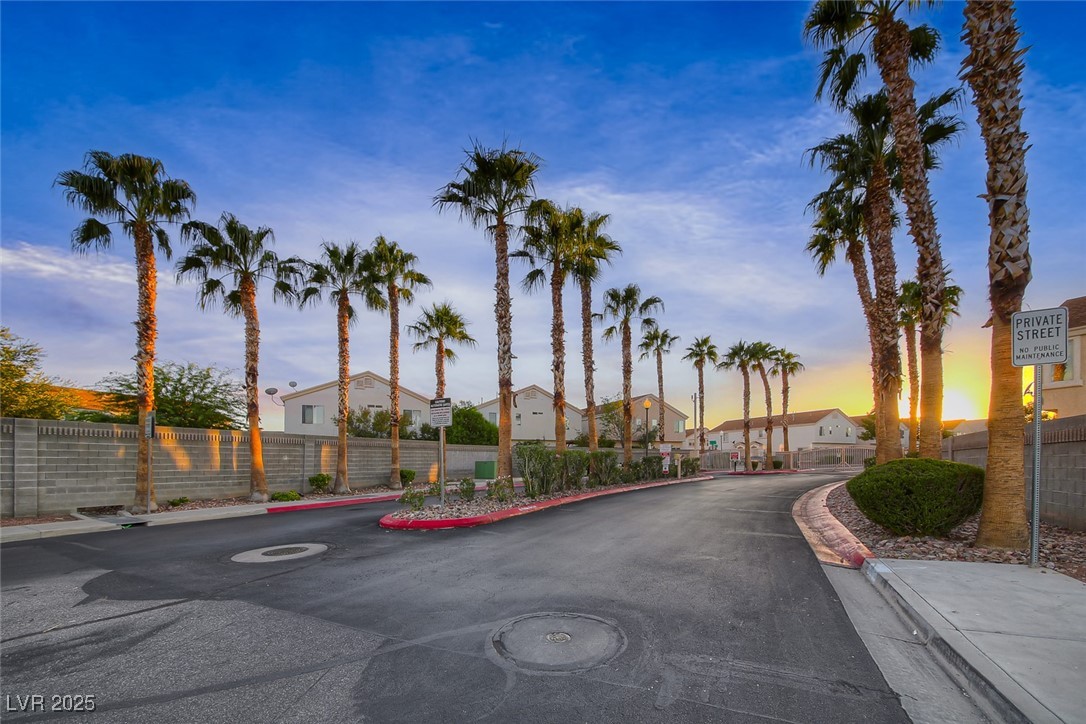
[
  {"x": 1063, "y": 466},
  {"x": 49, "y": 466}
]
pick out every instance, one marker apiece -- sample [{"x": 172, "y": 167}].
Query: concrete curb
[
  {"x": 470, "y": 522},
  {"x": 832, "y": 542}
]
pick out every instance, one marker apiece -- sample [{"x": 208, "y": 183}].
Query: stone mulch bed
[
  {"x": 4, "y": 522},
  {"x": 1061, "y": 549}
]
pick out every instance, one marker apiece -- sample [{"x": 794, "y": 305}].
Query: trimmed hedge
[{"x": 918, "y": 497}]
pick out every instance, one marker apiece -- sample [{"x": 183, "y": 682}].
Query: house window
[
  {"x": 680, "y": 426},
  {"x": 364, "y": 383},
  {"x": 638, "y": 423},
  {"x": 821, "y": 431},
  {"x": 848, "y": 432},
  {"x": 518, "y": 418},
  {"x": 1068, "y": 372},
  {"x": 312, "y": 414},
  {"x": 725, "y": 438},
  {"x": 494, "y": 417},
  {"x": 530, "y": 395}
]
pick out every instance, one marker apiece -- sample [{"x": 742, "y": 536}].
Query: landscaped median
[{"x": 403, "y": 520}]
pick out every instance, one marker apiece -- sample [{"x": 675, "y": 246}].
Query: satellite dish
[
  {"x": 292, "y": 384},
  {"x": 271, "y": 391}
]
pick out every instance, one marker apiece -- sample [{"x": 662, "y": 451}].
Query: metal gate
[{"x": 845, "y": 457}]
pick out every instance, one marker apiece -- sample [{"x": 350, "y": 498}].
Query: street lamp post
[{"x": 648, "y": 404}]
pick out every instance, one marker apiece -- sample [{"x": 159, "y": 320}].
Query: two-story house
[{"x": 312, "y": 411}]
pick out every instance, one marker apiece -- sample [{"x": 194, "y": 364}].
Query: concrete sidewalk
[{"x": 1013, "y": 636}]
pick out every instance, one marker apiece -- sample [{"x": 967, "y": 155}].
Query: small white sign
[
  {"x": 665, "y": 448},
  {"x": 441, "y": 412},
  {"x": 1039, "y": 337}
]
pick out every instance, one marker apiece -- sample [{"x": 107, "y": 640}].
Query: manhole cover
[
  {"x": 557, "y": 642},
  {"x": 279, "y": 553}
]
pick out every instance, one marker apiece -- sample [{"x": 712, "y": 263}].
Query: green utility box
[{"x": 486, "y": 469}]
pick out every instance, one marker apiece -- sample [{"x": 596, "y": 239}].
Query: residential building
[
  {"x": 533, "y": 415},
  {"x": 806, "y": 430},
  {"x": 1063, "y": 389},
  {"x": 674, "y": 419},
  {"x": 311, "y": 411},
  {"x": 964, "y": 427}
]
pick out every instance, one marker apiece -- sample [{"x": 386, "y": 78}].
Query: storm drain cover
[
  {"x": 558, "y": 642},
  {"x": 273, "y": 554}
]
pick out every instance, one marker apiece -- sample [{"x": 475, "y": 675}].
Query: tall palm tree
[
  {"x": 908, "y": 319},
  {"x": 738, "y": 357},
  {"x": 592, "y": 250},
  {"x": 785, "y": 364},
  {"x": 133, "y": 192},
  {"x": 436, "y": 327},
  {"x": 497, "y": 184},
  {"x": 762, "y": 355},
  {"x": 396, "y": 272},
  {"x": 548, "y": 246},
  {"x": 658, "y": 342},
  {"x": 993, "y": 70},
  {"x": 228, "y": 261},
  {"x": 624, "y": 306},
  {"x": 343, "y": 272},
  {"x": 841, "y": 26},
  {"x": 701, "y": 353}
]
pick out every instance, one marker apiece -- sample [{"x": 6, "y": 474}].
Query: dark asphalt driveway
[{"x": 705, "y": 596}]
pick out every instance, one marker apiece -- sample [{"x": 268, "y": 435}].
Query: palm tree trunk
[
  {"x": 439, "y": 367},
  {"x": 627, "y": 402},
  {"x": 341, "y": 485},
  {"x": 878, "y": 215},
  {"x": 558, "y": 347},
  {"x": 503, "y": 313},
  {"x": 746, "y": 419},
  {"x": 892, "y": 44},
  {"x": 768, "y": 418},
  {"x": 701, "y": 406},
  {"x": 855, "y": 254},
  {"x": 394, "y": 383},
  {"x": 258, "y": 483},
  {"x": 914, "y": 386},
  {"x": 146, "y": 339},
  {"x": 589, "y": 365},
  {"x": 784, "y": 410},
  {"x": 660, "y": 387},
  {"x": 993, "y": 68}
]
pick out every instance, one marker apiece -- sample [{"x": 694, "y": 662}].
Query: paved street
[{"x": 699, "y": 602}]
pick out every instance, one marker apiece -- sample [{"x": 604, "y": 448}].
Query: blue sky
[{"x": 339, "y": 121}]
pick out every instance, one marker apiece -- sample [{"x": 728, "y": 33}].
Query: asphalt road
[{"x": 697, "y": 602}]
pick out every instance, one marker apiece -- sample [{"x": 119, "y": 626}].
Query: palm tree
[
  {"x": 134, "y": 192},
  {"x": 762, "y": 355},
  {"x": 229, "y": 261},
  {"x": 549, "y": 242},
  {"x": 496, "y": 185},
  {"x": 993, "y": 69},
  {"x": 658, "y": 342},
  {"x": 908, "y": 319},
  {"x": 785, "y": 364},
  {"x": 738, "y": 357},
  {"x": 839, "y": 26},
  {"x": 623, "y": 306},
  {"x": 395, "y": 271},
  {"x": 700, "y": 353},
  {"x": 593, "y": 249},
  {"x": 343, "y": 271},
  {"x": 436, "y": 327}
]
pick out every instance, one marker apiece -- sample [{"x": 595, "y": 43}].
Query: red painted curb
[
  {"x": 333, "y": 503},
  {"x": 765, "y": 472},
  {"x": 824, "y": 532},
  {"x": 407, "y": 524}
]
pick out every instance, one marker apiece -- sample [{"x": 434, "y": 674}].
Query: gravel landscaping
[{"x": 1061, "y": 550}]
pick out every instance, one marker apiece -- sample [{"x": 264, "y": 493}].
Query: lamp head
[{"x": 648, "y": 403}]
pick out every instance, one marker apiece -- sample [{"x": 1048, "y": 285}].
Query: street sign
[
  {"x": 665, "y": 448},
  {"x": 1039, "y": 337},
  {"x": 441, "y": 412},
  {"x": 735, "y": 456}
]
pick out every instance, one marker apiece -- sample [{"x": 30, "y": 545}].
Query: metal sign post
[
  {"x": 441, "y": 417},
  {"x": 1038, "y": 337}
]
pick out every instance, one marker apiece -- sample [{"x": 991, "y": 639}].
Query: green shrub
[
  {"x": 869, "y": 463},
  {"x": 652, "y": 467},
  {"x": 603, "y": 469},
  {"x": 320, "y": 482},
  {"x": 605, "y": 442},
  {"x": 501, "y": 489},
  {"x": 918, "y": 497},
  {"x": 572, "y": 467},
  {"x": 434, "y": 488},
  {"x": 580, "y": 441},
  {"x": 406, "y": 476},
  {"x": 284, "y": 496},
  {"x": 538, "y": 466},
  {"x": 467, "y": 489},
  {"x": 691, "y": 466},
  {"x": 778, "y": 464},
  {"x": 178, "y": 501},
  {"x": 629, "y": 476},
  {"x": 412, "y": 498}
]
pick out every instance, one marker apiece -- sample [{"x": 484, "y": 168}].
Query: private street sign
[
  {"x": 441, "y": 412},
  {"x": 1039, "y": 337}
]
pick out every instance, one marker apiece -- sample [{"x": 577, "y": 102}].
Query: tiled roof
[
  {"x": 1076, "y": 311},
  {"x": 808, "y": 417}
]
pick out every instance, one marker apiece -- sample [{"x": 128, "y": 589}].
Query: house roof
[
  {"x": 536, "y": 388},
  {"x": 1076, "y": 311},
  {"x": 354, "y": 377},
  {"x": 794, "y": 418},
  {"x": 636, "y": 401}
]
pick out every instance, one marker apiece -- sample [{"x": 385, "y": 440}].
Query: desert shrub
[
  {"x": 652, "y": 467},
  {"x": 467, "y": 489},
  {"x": 630, "y": 475},
  {"x": 413, "y": 499},
  {"x": 178, "y": 501},
  {"x": 434, "y": 488},
  {"x": 691, "y": 466},
  {"x": 605, "y": 442},
  {"x": 538, "y": 466},
  {"x": 603, "y": 469},
  {"x": 918, "y": 497},
  {"x": 500, "y": 489},
  {"x": 284, "y": 496},
  {"x": 572, "y": 467},
  {"x": 406, "y": 476},
  {"x": 320, "y": 482},
  {"x": 580, "y": 441}
]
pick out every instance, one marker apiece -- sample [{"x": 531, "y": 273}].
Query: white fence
[{"x": 845, "y": 457}]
